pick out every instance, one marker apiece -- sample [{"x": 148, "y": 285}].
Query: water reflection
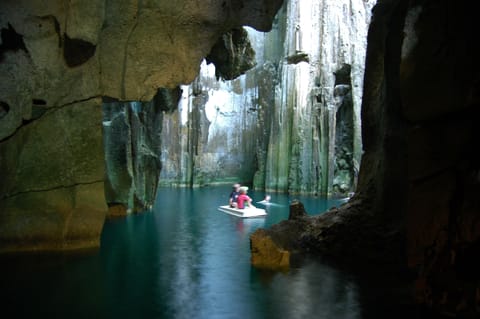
[
  {"x": 184, "y": 259},
  {"x": 245, "y": 226},
  {"x": 204, "y": 266},
  {"x": 314, "y": 290}
]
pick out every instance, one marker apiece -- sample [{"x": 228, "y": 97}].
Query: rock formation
[
  {"x": 232, "y": 55},
  {"x": 417, "y": 203},
  {"x": 297, "y": 111},
  {"x": 131, "y": 132},
  {"x": 318, "y": 86},
  {"x": 57, "y": 60}
]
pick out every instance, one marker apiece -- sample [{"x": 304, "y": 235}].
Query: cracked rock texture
[
  {"x": 57, "y": 60},
  {"x": 52, "y": 193}
]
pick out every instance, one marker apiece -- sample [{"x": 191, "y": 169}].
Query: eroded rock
[
  {"x": 266, "y": 254},
  {"x": 232, "y": 54},
  {"x": 272, "y": 248}
]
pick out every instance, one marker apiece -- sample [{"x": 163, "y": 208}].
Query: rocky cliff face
[
  {"x": 57, "y": 60},
  {"x": 314, "y": 144}
]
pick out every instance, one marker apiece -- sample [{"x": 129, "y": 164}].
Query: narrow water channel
[{"x": 184, "y": 259}]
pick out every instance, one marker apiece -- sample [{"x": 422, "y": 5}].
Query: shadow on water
[{"x": 184, "y": 259}]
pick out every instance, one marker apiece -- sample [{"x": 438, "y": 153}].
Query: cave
[{"x": 131, "y": 99}]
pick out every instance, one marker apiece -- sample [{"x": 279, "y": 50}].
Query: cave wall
[
  {"x": 51, "y": 160},
  {"x": 420, "y": 105},
  {"x": 57, "y": 60},
  {"x": 52, "y": 181},
  {"x": 421, "y": 101},
  {"x": 439, "y": 87}
]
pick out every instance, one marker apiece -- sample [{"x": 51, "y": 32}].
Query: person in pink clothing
[{"x": 243, "y": 197}]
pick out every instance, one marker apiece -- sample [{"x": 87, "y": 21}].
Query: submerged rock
[
  {"x": 266, "y": 254},
  {"x": 297, "y": 211},
  {"x": 272, "y": 248},
  {"x": 347, "y": 233}
]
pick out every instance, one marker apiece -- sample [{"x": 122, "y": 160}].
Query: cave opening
[
  {"x": 271, "y": 110},
  {"x": 289, "y": 125}
]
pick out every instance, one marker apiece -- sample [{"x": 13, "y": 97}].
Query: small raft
[{"x": 247, "y": 212}]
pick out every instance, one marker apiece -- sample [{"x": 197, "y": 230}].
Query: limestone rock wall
[
  {"x": 132, "y": 141},
  {"x": 320, "y": 78},
  {"x": 58, "y": 59},
  {"x": 211, "y": 137},
  {"x": 232, "y": 54}
]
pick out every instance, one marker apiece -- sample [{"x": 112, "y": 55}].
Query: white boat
[{"x": 247, "y": 212}]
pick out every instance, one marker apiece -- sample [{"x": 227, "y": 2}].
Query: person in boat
[
  {"x": 265, "y": 201},
  {"x": 244, "y": 198},
  {"x": 232, "y": 201}
]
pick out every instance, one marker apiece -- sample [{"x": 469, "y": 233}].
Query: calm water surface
[{"x": 184, "y": 259}]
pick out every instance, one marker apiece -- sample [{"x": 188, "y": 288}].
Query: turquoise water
[{"x": 184, "y": 259}]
